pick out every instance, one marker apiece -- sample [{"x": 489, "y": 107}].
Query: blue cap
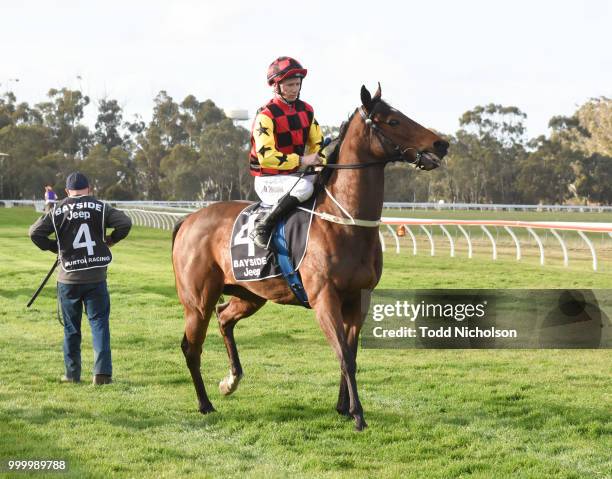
[{"x": 76, "y": 181}]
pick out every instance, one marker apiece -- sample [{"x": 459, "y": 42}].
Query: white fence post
[
  {"x": 395, "y": 237},
  {"x": 488, "y": 233},
  {"x": 563, "y": 248},
  {"x": 414, "y": 243},
  {"x": 450, "y": 239},
  {"x": 591, "y": 247},
  {"x": 516, "y": 242},
  {"x": 539, "y": 241},
  {"x": 467, "y": 237},
  {"x": 431, "y": 241}
]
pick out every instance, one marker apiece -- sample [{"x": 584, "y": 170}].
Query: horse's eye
[{"x": 393, "y": 122}]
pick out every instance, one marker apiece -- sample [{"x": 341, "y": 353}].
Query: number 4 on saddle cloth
[{"x": 289, "y": 241}]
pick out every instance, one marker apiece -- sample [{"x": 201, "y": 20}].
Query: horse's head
[{"x": 400, "y": 137}]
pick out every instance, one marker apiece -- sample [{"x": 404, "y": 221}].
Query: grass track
[{"x": 434, "y": 414}]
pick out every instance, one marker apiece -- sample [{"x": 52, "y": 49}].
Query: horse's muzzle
[
  {"x": 431, "y": 160},
  {"x": 441, "y": 148}
]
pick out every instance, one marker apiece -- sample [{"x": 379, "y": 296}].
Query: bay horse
[{"x": 343, "y": 258}]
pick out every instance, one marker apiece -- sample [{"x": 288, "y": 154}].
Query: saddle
[{"x": 289, "y": 242}]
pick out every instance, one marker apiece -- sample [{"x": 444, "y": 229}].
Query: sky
[{"x": 435, "y": 59}]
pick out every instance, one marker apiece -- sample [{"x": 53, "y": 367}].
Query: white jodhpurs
[{"x": 271, "y": 188}]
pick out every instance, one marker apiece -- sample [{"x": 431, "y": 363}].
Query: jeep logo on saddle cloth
[
  {"x": 251, "y": 263},
  {"x": 79, "y": 228}
]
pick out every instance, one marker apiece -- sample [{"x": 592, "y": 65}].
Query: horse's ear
[
  {"x": 366, "y": 98},
  {"x": 378, "y": 93}
]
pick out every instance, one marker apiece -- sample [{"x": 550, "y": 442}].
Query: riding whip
[{"x": 42, "y": 285}]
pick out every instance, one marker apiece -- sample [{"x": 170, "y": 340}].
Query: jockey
[{"x": 285, "y": 138}]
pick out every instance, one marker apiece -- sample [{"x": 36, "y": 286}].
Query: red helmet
[{"x": 285, "y": 67}]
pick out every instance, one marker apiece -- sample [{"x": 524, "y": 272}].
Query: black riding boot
[{"x": 264, "y": 225}]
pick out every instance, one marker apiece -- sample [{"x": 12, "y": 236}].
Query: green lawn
[{"x": 432, "y": 413}]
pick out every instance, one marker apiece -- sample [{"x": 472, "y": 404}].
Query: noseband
[{"x": 398, "y": 152}]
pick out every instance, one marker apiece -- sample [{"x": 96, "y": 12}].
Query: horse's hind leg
[
  {"x": 196, "y": 324},
  {"x": 229, "y": 314}
]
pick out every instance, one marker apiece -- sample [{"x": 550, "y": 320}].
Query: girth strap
[{"x": 293, "y": 278}]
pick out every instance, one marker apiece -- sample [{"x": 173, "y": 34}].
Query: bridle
[{"x": 398, "y": 152}]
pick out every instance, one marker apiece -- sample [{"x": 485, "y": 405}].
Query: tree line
[
  {"x": 191, "y": 150},
  {"x": 491, "y": 160}
]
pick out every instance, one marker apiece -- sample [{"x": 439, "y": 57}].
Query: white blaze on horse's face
[{"x": 290, "y": 88}]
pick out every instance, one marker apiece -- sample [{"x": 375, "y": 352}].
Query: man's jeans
[{"x": 95, "y": 297}]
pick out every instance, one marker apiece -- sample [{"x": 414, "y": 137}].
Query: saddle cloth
[{"x": 251, "y": 263}]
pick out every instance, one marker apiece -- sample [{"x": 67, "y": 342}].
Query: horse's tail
[{"x": 177, "y": 227}]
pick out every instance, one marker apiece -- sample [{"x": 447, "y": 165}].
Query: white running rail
[
  {"x": 509, "y": 226},
  {"x": 166, "y": 220},
  {"x": 142, "y": 215},
  {"x": 388, "y": 205},
  {"x": 153, "y": 219}
]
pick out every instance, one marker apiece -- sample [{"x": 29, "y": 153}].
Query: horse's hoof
[
  {"x": 360, "y": 424},
  {"x": 207, "y": 409},
  {"x": 229, "y": 384}
]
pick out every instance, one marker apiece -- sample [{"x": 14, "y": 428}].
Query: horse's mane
[
  {"x": 334, "y": 151},
  {"x": 336, "y": 143}
]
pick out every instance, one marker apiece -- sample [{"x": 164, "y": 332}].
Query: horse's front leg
[
  {"x": 354, "y": 315},
  {"x": 329, "y": 315}
]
